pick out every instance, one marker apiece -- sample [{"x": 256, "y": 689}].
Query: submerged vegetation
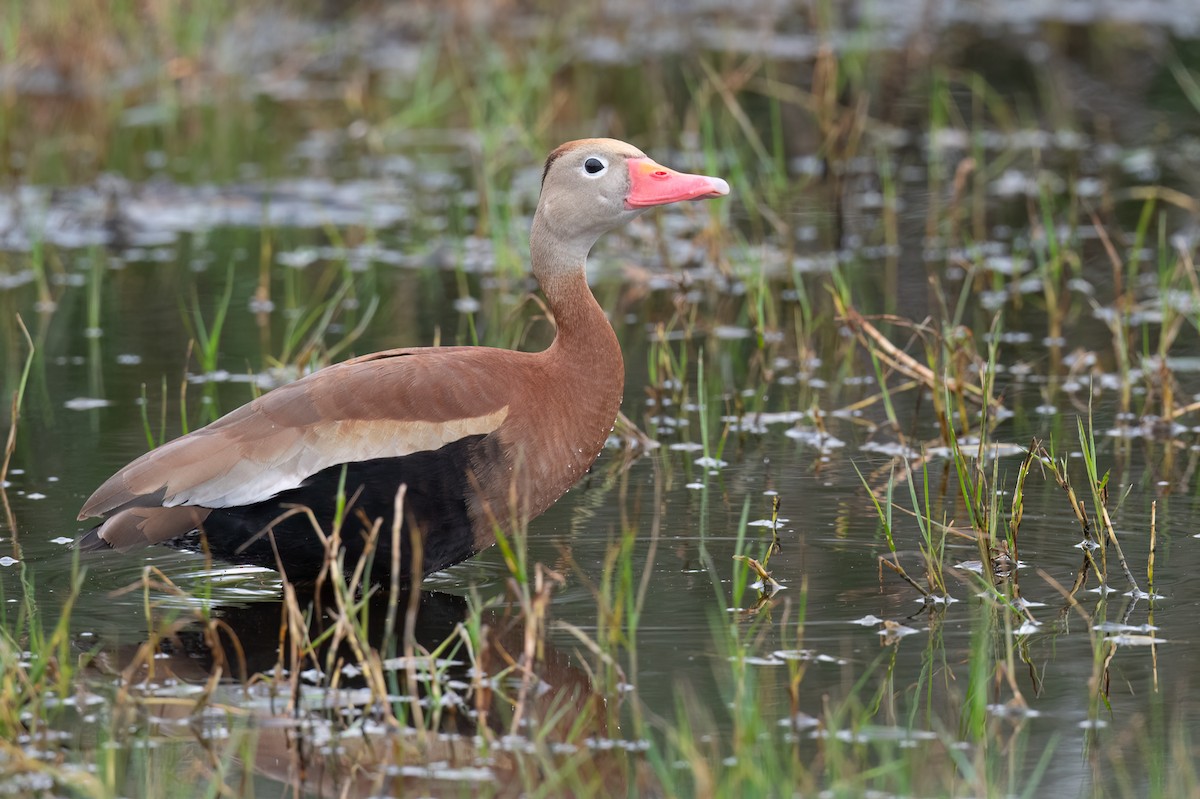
[{"x": 903, "y": 496}]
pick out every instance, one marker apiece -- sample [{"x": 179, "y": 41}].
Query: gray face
[{"x": 584, "y": 190}]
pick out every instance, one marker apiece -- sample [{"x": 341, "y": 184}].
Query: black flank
[{"x": 439, "y": 483}]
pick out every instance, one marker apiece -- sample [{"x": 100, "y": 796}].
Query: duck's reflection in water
[{"x": 476, "y": 703}]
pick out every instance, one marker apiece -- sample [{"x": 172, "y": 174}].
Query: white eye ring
[{"x": 594, "y": 166}]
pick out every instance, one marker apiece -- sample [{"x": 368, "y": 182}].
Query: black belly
[{"x": 439, "y": 484}]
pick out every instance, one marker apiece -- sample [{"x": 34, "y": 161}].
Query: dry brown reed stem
[
  {"x": 11, "y": 444},
  {"x": 389, "y": 626},
  {"x": 1153, "y": 546},
  {"x": 1060, "y": 477},
  {"x": 143, "y": 662},
  {"x": 535, "y": 609},
  {"x": 1189, "y": 269},
  {"x": 416, "y": 561},
  {"x": 898, "y": 569},
  {"x": 867, "y": 402},
  {"x": 1114, "y": 259},
  {"x": 1014, "y": 524},
  {"x": 961, "y": 173},
  {"x": 901, "y": 361},
  {"x": 1100, "y": 674},
  {"x": 949, "y": 529},
  {"x": 1150, "y": 589},
  {"x": 1008, "y": 671},
  {"x": 1163, "y": 193},
  {"x": 15, "y": 413},
  {"x": 366, "y": 656},
  {"x": 817, "y": 106},
  {"x": 1103, "y": 517},
  {"x": 1112, "y": 539},
  {"x": 1184, "y": 410},
  {"x": 727, "y": 85},
  {"x": 769, "y": 585}
]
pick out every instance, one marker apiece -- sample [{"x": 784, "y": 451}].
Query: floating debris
[
  {"x": 903, "y": 736},
  {"x": 765, "y": 584},
  {"x": 969, "y": 447},
  {"x": 1134, "y": 640},
  {"x": 1118, "y": 627},
  {"x": 893, "y": 631},
  {"x": 892, "y": 449},
  {"x": 711, "y": 463},
  {"x": 1013, "y": 710},
  {"x": 818, "y": 439},
  {"x": 86, "y": 404},
  {"x": 808, "y": 656},
  {"x": 800, "y": 721}
]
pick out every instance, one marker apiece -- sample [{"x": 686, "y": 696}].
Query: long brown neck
[
  {"x": 585, "y": 351},
  {"x": 584, "y": 371}
]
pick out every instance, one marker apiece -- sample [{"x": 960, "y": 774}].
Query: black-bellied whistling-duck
[{"x": 480, "y": 437}]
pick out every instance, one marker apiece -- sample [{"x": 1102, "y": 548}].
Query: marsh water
[{"x": 174, "y": 275}]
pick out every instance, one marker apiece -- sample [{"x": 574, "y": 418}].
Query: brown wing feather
[
  {"x": 140, "y": 527},
  {"x": 383, "y": 405}
]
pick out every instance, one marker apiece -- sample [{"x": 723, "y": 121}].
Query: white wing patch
[{"x": 264, "y": 471}]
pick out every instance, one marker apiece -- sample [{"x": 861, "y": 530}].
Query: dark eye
[{"x": 593, "y": 166}]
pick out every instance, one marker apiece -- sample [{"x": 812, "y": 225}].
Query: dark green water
[{"x": 381, "y": 237}]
